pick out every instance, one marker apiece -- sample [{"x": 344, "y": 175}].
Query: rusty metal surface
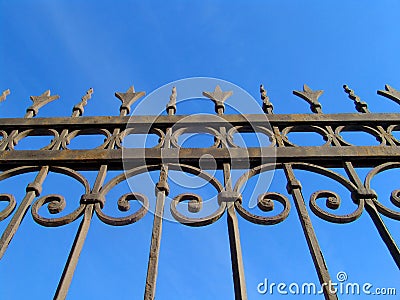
[{"x": 281, "y": 153}]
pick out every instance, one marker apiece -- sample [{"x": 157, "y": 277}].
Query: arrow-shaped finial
[
  {"x": 128, "y": 98},
  {"x": 218, "y": 97},
  {"x": 361, "y": 106},
  {"x": 4, "y": 95},
  {"x": 311, "y": 97},
  {"x": 390, "y": 93},
  {"x": 39, "y": 101}
]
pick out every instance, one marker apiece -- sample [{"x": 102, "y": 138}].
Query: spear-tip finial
[
  {"x": 390, "y": 93},
  {"x": 311, "y": 97},
  {"x": 40, "y": 101},
  {"x": 128, "y": 98},
  {"x": 218, "y": 97}
]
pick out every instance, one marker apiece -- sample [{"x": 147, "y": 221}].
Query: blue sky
[{"x": 70, "y": 46}]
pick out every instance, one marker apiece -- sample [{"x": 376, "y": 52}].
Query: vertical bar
[
  {"x": 162, "y": 190},
  {"x": 73, "y": 257},
  {"x": 33, "y": 190},
  {"x": 239, "y": 281},
  {"x": 152, "y": 269},
  {"x": 383, "y": 231},
  {"x": 294, "y": 188},
  {"x": 374, "y": 215},
  {"x": 76, "y": 249}
]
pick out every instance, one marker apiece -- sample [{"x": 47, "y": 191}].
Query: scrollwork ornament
[
  {"x": 194, "y": 206},
  {"x": 333, "y": 201},
  {"x": 266, "y": 203},
  {"x": 10, "y": 206},
  {"x": 395, "y": 195},
  {"x": 124, "y": 205},
  {"x": 55, "y": 204}
]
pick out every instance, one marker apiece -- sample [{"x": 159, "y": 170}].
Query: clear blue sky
[{"x": 70, "y": 46}]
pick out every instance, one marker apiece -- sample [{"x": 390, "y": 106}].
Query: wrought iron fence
[{"x": 281, "y": 153}]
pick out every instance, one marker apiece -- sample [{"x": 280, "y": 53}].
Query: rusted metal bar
[
  {"x": 239, "y": 157},
  {"x": 162, "y": 190},
  {"x": 66, "y": 278},
  {"x": 33, "y": 189},
  {"x": 142, "y": 123},
  {"x": 294, "y": 188},
  {"x": 239, "y": 280}
]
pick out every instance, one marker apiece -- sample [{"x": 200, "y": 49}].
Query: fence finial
[
  {"x": 218, "y": 97},
  {"x": 4, "y": 95},
  {"x": 390, "y": 93},
  {"x": 80, "y": 106},
  {"x": 311, "y": 97},
  {"x": 40, "y": 101},
  {"x": 361, "y": 106},
  {"x": 128, "y": 98},
  {"x": 171, "y": 106},
  {"x": 267, "y": 106}
]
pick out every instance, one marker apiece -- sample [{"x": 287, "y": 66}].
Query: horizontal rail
[
  {"x": 145, "y": 122},
  {"x": 240, "y": 158}
]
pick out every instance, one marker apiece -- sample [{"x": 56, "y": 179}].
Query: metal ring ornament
[
  {"x": 31, "y": 132},
  {"x": 265, "y": 203},
  {"x": 376, "y": 134},
  {"x": 56, "y": 203},
  {"x": 255, "y": 129},
  {"x": 306, "y": 128},
  {"x": 91, "y": 131},
  {"x": 10, "y": 206},
  {"x": 333, "y": 202},
  {"x": 157, "y": 131},
  {"x": 218, "y": 139},
  {"x": 395, "y": 195}
]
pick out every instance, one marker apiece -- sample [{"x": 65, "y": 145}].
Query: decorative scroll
[
  {"x": 10, "y": 206},
  {"x": 266, "y": 203},
  {"x": 265, "y": 200},
  {"x": 394, "y": 197},
  {"x": 56, "y": 203},
  {"x": 188, "y": 208},
  {"x": 194, "y": 206},
  {"x": 333, "y": 202}
]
